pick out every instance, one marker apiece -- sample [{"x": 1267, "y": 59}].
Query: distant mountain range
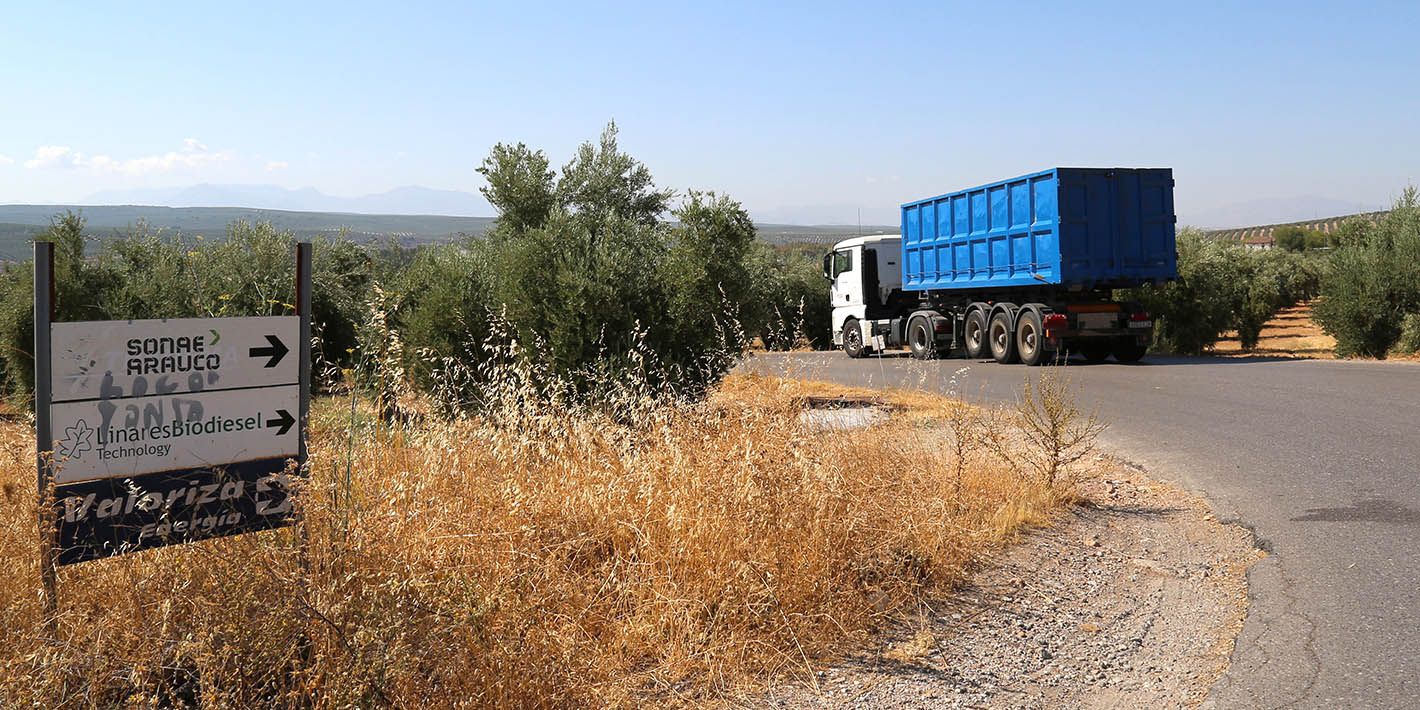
[{"x": 411, "y": 200}]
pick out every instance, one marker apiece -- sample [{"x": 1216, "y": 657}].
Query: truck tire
[
  {"x": 1095, "y": 351},
  {"x": 1002, "y": 338},
  {"x": 1030, "y": 338},
  {"x": 1129, "y": 350},
  {"x": 853, "y": 339},
  {"x": 974, "y": 334},
  {"x": 920, "y": 338}
]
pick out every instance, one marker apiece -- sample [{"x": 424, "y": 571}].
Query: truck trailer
[{"x": 1021, "y": 270}]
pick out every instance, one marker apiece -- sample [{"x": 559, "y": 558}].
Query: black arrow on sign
[
  {"x": 283, "y": 419},
  {"x": 276, "y": 351}
]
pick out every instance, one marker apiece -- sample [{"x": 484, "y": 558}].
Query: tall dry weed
[{"x": 535, "y": 553}]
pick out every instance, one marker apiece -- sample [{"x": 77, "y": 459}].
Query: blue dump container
[{"x": 1075, "y": 228}]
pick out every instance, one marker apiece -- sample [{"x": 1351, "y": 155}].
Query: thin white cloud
[
  {"x": 6, "y": 160},
  {"x": 274, "y": 165},
  {"x": 193, "y": 154},
  {"x": 54, "y": 156}
]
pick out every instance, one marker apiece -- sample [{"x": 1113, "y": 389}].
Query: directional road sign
[
  {"x": 121, "y": 359},
  {"x": 126, "y": 437},
  {"x": 158, "y": 432}
]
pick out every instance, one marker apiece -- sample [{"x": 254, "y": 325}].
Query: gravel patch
[{"x": 1132, "y": 599}]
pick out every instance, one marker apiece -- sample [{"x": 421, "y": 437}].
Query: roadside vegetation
[
  {"x": 531, "y": 482},
  {"x": 544, "y": 552},
  {"x": 1371, "y": 296},
  {"x": 1224, "y": 286},
  {"x": 1362, "y": 282}
]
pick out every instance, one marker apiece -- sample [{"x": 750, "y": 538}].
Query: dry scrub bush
[
  {"x": 539, "y": 554},
  {"x": 1050, "y": 433}
]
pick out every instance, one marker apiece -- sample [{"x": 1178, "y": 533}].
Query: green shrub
[
  {"x": 1299, "y": 276},
  {"x": 790, "y": 305},
  {"x": 1257, "y": 292},
  {"x": 342, "y": 273},
  {"x": 1296, "y": 239},
  {"x": 575, "y": 295},
  {"x": 708, "y": 280},
  {"x": 442, "y": 309},
  {"x": 1290, "y": 238},
  {"x": 587, "y": 278},
  {"x": 1373, "y": 283},
  {"x": 1191, "y": 312},
  {"x": 1409, "y": 343}
]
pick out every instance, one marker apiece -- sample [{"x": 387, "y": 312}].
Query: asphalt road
[{"x": 1321, "y": 459}]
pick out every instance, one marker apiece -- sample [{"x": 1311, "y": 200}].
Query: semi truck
[{"x": 1021, "y": 270}]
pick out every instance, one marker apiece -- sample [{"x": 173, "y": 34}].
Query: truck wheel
[
  {"x": 1003, "y": 340},
  {"x": 974, "y": 334},
  {"x": 1030, "y": 338},
  {"x": 1095, "y": 351},
  {"x": 920, "y": 339},
  {"x": 853, "y": 339},
  {"x": 1129, "y": 350}
]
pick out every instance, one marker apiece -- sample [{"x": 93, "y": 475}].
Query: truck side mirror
[{"x": 828, "y": 266}]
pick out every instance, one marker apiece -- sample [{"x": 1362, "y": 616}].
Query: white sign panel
[
  {"x": 126, "y": 437},
  {"x": 118, "y": 359}
]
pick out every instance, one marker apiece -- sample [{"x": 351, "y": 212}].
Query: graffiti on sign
[{"x": 118, "y": 359}]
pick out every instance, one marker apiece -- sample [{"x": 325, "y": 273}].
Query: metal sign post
[
  {"x": 303, "y": 310},
  {"x": 44, "y": 313},
  {"x": 160, "y": 432}
]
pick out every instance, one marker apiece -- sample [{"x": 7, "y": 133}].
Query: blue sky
[{"x": 801, "y": 111}]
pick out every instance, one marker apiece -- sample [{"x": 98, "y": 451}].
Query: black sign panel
[{"x": 114, "y": 516}]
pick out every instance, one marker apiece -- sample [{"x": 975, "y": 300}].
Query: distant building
[{"x": 1258, "y": 242}]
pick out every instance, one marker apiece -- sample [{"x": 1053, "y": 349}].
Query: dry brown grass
[{"x": 548, "y": 558}]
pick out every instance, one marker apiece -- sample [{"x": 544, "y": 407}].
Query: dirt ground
[
  {"x": 1132, "y": 599},
  {"x": 1291, "y": 333}
]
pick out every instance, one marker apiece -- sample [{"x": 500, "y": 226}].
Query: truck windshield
[{"x": 842, "y": 261}]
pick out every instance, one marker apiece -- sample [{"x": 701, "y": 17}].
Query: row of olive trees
[{"x": 1224, "y": 286}]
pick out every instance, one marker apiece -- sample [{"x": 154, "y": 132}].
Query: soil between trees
[{"x": 1131, "y": 599}]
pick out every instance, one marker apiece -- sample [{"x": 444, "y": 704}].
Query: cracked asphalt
[{"x": 1320, "y": 459}]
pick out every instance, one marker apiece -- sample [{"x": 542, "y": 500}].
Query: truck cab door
[{"x": 847, "y": 276}]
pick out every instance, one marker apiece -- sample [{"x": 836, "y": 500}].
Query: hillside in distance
[
  {"x": 1270, "y": 211},
  {"x": 19, "y": 224}
]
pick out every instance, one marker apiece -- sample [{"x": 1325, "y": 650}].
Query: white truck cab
[{"x": 865, "y": 280}]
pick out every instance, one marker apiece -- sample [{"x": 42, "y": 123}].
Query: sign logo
[{"x": 76, "y": 440}]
